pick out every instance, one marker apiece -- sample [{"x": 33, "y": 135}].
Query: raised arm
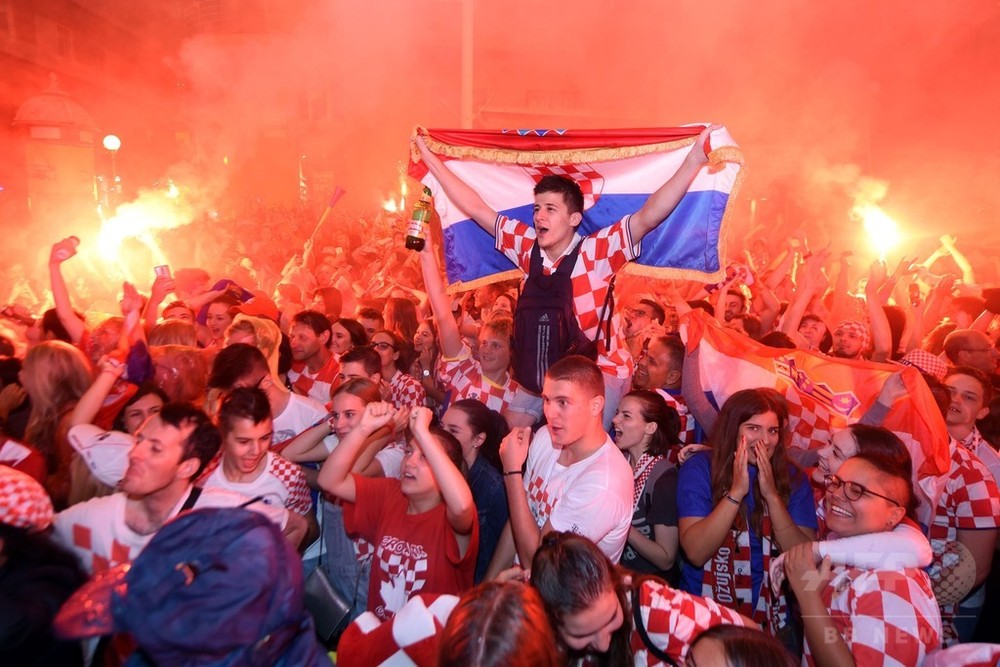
[
  {"x": 460, "y": 507},
  {"x": 662, "y": 202},
  {"x": 948, "y": 243},
  {"x": 451, "y": 338},
  {"x": 60, "y": 294},
  {"x": 335, "y": 476},
  {"x": 457, "y": 190},
  {"x": 881, "y": 334},
  {"x": 90, "y": 403},
  {"x": 513, "y": 453}
]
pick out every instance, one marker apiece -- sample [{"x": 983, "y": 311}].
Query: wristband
[
  {"x": 512, "y": 472},
  {"x": 731, "y": 499}
]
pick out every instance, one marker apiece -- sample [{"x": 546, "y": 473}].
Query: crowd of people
[{"x": 345, "y": 419}]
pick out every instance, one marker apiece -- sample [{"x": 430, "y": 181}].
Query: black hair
[
  {"x": 367, "y": 356},
  {"x": 315, "y": 320},
  {"x": 145, "y": 389},
  {"x": 204, "y": 440},
  {"x": 235, "y": 362},
  {"x": 659, "y": 315},
  {"x": 243, "y": 403},
  {"x": 354, "y": 328},
  {"x": 567, "y": 187},
  {"x": 484, "y": 420},
  {"x": 747, "y": 647}
]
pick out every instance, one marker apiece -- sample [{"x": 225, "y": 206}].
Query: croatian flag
[
  {"x": 824, "y": 394},
  {"x": 617, "y": 171}
]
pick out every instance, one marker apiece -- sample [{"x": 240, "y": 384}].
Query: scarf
[
  {"x": 643, "y": 469},
  {"x": 728, "y": 579}
]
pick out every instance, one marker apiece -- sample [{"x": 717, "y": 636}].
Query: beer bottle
[{"x": 416, "y": 231}]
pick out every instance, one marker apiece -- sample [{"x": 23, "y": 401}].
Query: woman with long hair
[
  {"x": 603, "y": 617},
  {"x": 400, "y": 317},
  {"x": 55, "y": 375},
  {"x": 425, "y": 363},
  {"x": 646, "y": 429},
  {"x": 479, "y": 431},
  {"x": 739, "y": 505},
  {"x": 404, "y": 390},
  {"x": 498, "y": 624}
]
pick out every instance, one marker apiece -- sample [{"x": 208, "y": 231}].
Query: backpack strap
[
  {"x": 191, "y": 499},
  {"x": 654, "y": 650}
]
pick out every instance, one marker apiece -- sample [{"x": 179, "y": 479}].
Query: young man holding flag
[{"x": 558, "y": 211}]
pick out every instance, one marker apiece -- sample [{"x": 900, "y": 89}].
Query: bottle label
[{"x": 415, "y": 228}]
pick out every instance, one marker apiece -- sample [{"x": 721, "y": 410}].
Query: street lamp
[{"x": 112, "y": 143}]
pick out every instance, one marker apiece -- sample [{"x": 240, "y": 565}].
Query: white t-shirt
[
  {"x": 281, "y": 484},
  {"x": 592, "y": 497},
  {"x": 96, "y": 531},
  {"x": 300, "y": 414}
]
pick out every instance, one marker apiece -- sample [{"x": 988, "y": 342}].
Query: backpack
[{"x": 545, "y": 327}]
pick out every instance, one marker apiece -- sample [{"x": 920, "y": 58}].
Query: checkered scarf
[
  {"x": 643, "y": 469},
  {"x": 728, "y": 580}
]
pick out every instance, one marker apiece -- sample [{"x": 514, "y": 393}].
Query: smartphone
[{"x": 162, "y": 271}]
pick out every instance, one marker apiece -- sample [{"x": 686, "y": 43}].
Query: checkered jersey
[
  {"x": 464, "y": 375},
  {"x": 281, "y": 483},
  {"x": 318, "y": 385},
  {"x": 970, "y": 501},
  {"x": 673, "y": 619},
  {"x": 602, "y": 254},
  {"x": 983, "y": 450},
  {"x": 405, "y": 391},
  {"x": 887, "y": 618}
]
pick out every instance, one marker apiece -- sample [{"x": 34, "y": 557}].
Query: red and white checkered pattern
[
  {"x": 809, "y": 420},
  {"x": 405, "y": 391},
  {"x": 886, "y": 618},
  {"x": 411, "y": 637},
  {"x": 590, "y": 181},
  {"x": 281, "y": 483},
  {"x": 673, "y": 619},
  {"x": 970, "y": 501},
  {"x": 465, "y": 377},
  {"x": 23, "y": 501},
  {"x": 318, "y": 385},
  {"x": 117, "y": 553},
  {"x": 602, "y": 254},
  {"x": 687, "y": 434}
]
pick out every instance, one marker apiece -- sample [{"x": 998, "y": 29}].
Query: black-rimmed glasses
[{"x": 853, "y": 490}]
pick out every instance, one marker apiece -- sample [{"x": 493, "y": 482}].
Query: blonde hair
[
  {"x": 266, "y": 332},
  {"x": 55, "y": 375},
  {"x": 173, "y": 332}
]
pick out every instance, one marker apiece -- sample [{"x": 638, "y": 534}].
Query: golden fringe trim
[
  {"x": 512, "y": 274},
  {"x": 716, "y": 159}
]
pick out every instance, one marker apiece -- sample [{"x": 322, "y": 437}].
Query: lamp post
[{"x": 112, "y": 143}]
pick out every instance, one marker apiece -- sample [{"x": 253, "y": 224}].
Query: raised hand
[
  {"x": 377, "y": 415},
  {"x": 741, "y": 473},
  {"x": 514, "y": 448},
  {"x": 420, "y": 419},
  {"x": 765, "y": 474}
]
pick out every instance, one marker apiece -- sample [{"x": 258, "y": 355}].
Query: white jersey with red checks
[
  {"x": 887, "y": 618},
  {"x": 673, "y": 619},
  {"x": 405, "y": 391},
  {"x": 319, "y": 385},
  {"x": 970, "y": 501},
  {"x": 97, "y": 533},
  {"x": 464, "y": 375},
  {"x": 592, "y": 497},
  {"x": 602, "y": 254},
  {"x": 281, "y": 483},
  {"x": 983, "y": 450}
]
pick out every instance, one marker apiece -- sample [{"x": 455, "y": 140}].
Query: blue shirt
[
  {"x": 694, "y": 499},
  {"x": 490, "y": 496}
]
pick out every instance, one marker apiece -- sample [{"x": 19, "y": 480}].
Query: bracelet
[
  {"x": 732, "y": 500},
  {"x": 512, "y": 472}
]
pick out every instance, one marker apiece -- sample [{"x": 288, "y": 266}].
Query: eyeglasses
[
  {"x": 383, "y": 346},
  {"x": 853, "y": 490},
  {"x": 634, "y": 312}
]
